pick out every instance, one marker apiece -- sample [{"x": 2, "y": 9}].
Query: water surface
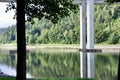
[{"x": 54, "y": 63}]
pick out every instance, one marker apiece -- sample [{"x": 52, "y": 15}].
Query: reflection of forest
[
  {"x": 58, "y": 64},
  {"x": 53, "y": 65}
]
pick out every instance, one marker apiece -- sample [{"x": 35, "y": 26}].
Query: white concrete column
[
  {"x": 83, "y": 63},
  {"x": 90, "y": 38}
]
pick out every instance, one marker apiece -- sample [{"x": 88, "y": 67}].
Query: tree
[
  {"x": 21, "y": 42},
  {"x": 53, "y": 10}
]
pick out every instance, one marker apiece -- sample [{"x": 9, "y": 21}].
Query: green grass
[{"x": 13, "y": 78}]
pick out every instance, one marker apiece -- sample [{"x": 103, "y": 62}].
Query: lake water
[{"x": 54, "y": 63}]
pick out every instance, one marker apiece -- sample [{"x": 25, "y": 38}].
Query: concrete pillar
[
  {"x": 83, "y": 66},
  {"x": 90, "y": 38}
]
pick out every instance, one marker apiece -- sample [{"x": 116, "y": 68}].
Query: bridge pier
[
  {"x": 83, "y": 54},
  {"x": 87, "y": 58},
  {"x": 90, "y": 38}
]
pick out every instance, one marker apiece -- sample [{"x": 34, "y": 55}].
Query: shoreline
[{"x": 104, "y": 48}]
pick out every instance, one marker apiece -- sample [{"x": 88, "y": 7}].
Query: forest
[{"x": 67, "y": 30}]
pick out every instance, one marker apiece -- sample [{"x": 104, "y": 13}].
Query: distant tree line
[{"x": 66, "y": 31}]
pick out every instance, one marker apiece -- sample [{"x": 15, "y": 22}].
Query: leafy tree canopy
[
  {"x": 112, "y": 1},
  {"x": 52, "y": 10}
]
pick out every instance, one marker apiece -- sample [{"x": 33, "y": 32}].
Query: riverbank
[{"x": 104, "y": 48}]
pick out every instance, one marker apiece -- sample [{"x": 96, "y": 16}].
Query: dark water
[{"x": 52, "y": 63}]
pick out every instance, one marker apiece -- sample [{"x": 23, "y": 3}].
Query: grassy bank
[
  {"x": 56, "y": 45},
  {"x": 103, "y": 47},
  {"x": 40, "y": 46}
]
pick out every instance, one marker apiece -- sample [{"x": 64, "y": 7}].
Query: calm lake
[{"x": 57, "y": 63}]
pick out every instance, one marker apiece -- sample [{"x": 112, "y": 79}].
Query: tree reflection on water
[
  {"x": 46, "y": 65},
  {"x": 63, "y": 64}
]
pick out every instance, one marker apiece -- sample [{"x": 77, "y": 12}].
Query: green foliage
[
  {"x": 45, "y": 32},
  {"x": 7, "y": 78},
  {"x": 52, "y": 10},
  {"x": 10, "y": 78},
  {"x": 114, "y": 38},
  {"x": 107, "y": 23},
  {"x": 67, "y": 31},
  {"x": 11, "y": 35}
]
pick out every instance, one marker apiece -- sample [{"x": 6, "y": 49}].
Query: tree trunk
[{"x": 21, "y": 42}]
